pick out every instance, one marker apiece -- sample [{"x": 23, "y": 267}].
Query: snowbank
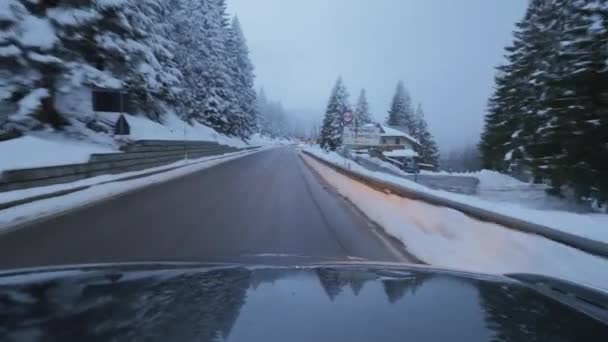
[
  {"x": 50, "y": 148},
  {"x": 447, "y": 238},
  {"x": 33, "y": 151},
  {"x": 497, "y": 187},
  {"x": 487, "y": 179},
  {"x": 172, "y": 128},
  {"x": 590, "y": 225}
]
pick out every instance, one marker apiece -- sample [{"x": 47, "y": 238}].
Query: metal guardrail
[
  {"x": 584, "y": 244},
  {"x": 155, "y": 153}
]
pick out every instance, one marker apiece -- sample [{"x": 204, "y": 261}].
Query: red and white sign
[{"x": 348, "y": 117}]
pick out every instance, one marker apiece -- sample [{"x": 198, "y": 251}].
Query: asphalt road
[{"x": 265, "y": 203}]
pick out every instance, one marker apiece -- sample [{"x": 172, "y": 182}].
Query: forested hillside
[
  {"x": 548, "y": 115},
  {"x": 183, "y": 55}
]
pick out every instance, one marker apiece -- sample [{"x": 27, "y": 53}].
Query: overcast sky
[{"x": 444, "y": 50}]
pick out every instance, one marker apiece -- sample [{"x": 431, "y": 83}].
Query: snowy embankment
[
  {"x": 43, "y": 148},
  {"x": 590, "y": 225},
  {"x": 100, "y": 188},
  {"x": 444, "y": 237},
  {"x": 497, "y": 187}
]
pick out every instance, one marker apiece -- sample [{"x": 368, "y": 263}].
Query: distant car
[{"x": 323, "y": 302}]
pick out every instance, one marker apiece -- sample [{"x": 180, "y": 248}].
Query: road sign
[
  {"x": 348, "y": 117},
  {"x": 368, "y": 135}
]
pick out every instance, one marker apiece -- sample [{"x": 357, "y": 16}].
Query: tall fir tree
[
  {"x": 203, "y": 59},
  {"x": 547, "y": 110},
  {"x": 273, "y": 118},
  {"x": 571, "y": 147},
  {"x": 401, "y": 112},
  {"x": 428, "y": 151},
  {"x": 362, "y": 114},
  {"x": 157, "y": 80},
  {"x": 261, "y": 103},
  {"x": 333, "y": 124},
  {"x": 244, "y": 116},
  {"x": 513, "y": 107}
]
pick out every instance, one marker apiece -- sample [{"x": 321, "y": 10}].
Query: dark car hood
[{"x": 309, "y": 303}]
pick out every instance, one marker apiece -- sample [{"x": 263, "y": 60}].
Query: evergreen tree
[
  {"x": 514, "y": 105},
  {"x": 362, "y": 114},
  {"x": 333, "y": 124},
  {"x": 157, "y": 80},
  {"x": 65, "y": 45},
  {"x": 19, "y": 93},
  {"x": 203, "y": 59},
  {"x": 182, "y": 53},
  {"x": 273, "y": 118},
  {"x": 428, "y": 151},
  {"x": 547, "y": 110},
  {"x": 571, "y": 146},
  {"x": 244, "y": 117},
  {"x": 261, "y": 103},
  {"x": 401, "y": 112}
]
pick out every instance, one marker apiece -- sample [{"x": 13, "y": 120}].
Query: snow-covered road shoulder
[
  {"x": 99, "y": 188},
  {"x": 444, "y": 237},
  {"x": 590, "y": 225}
]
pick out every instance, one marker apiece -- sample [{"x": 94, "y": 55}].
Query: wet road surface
[{"x": 265, "y": 203}]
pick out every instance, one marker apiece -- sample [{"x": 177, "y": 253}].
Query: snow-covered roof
[
  {"x": 389, "y": 131},
  {"x": 407, "y": 153}
]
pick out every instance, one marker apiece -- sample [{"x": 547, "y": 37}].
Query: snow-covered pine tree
[
  {"x": 202, "y": 57},
  {"x": 242, "y": 77},
  {"x": 548, "y": 108},
  {"x": 261, "y": 102},
  {"x": 428, "y": 151},
  {"x": 401, "y": 112},
  {"x": 572, "y": 141},
  {"x": 514, "y": 110},
  {"x": 500, "y": 126},
  {"x": 277, "y": 120},
  {"x": 21, "y": 93},
  {"x": 362, "y": 114},
  {"x": 541, "y": 36},
  {"x": 219, "y": 99},
  {"x": 156, "y": 78},
  {"x": 273, "y": 118},
  {"x": 186, "y": 31},
  {"x": 331, "y": 131},
  {"x": 66, "y": 45},
  {"x": 598, "y": 130}
]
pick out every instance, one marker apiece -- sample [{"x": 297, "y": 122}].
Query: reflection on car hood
[{"x": 311, "y": 303}]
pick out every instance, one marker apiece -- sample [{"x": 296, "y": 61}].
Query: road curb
[
  {"x": 587, "y": 245},
  {"x": 27, "y": 200}
]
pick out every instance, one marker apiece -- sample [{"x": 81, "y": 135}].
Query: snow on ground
[
  {"x": 590, "y": 225},
  {"x": 37, "y": 209},
  {"x": 445, "y": 237},
  {"x": 384, "y": 164},
  {"x": 34, "y": 151},
  {"x": 173, "y": 128},
  {"x": 47, "y": 148},
  {"x": 497, "y": 187}
]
